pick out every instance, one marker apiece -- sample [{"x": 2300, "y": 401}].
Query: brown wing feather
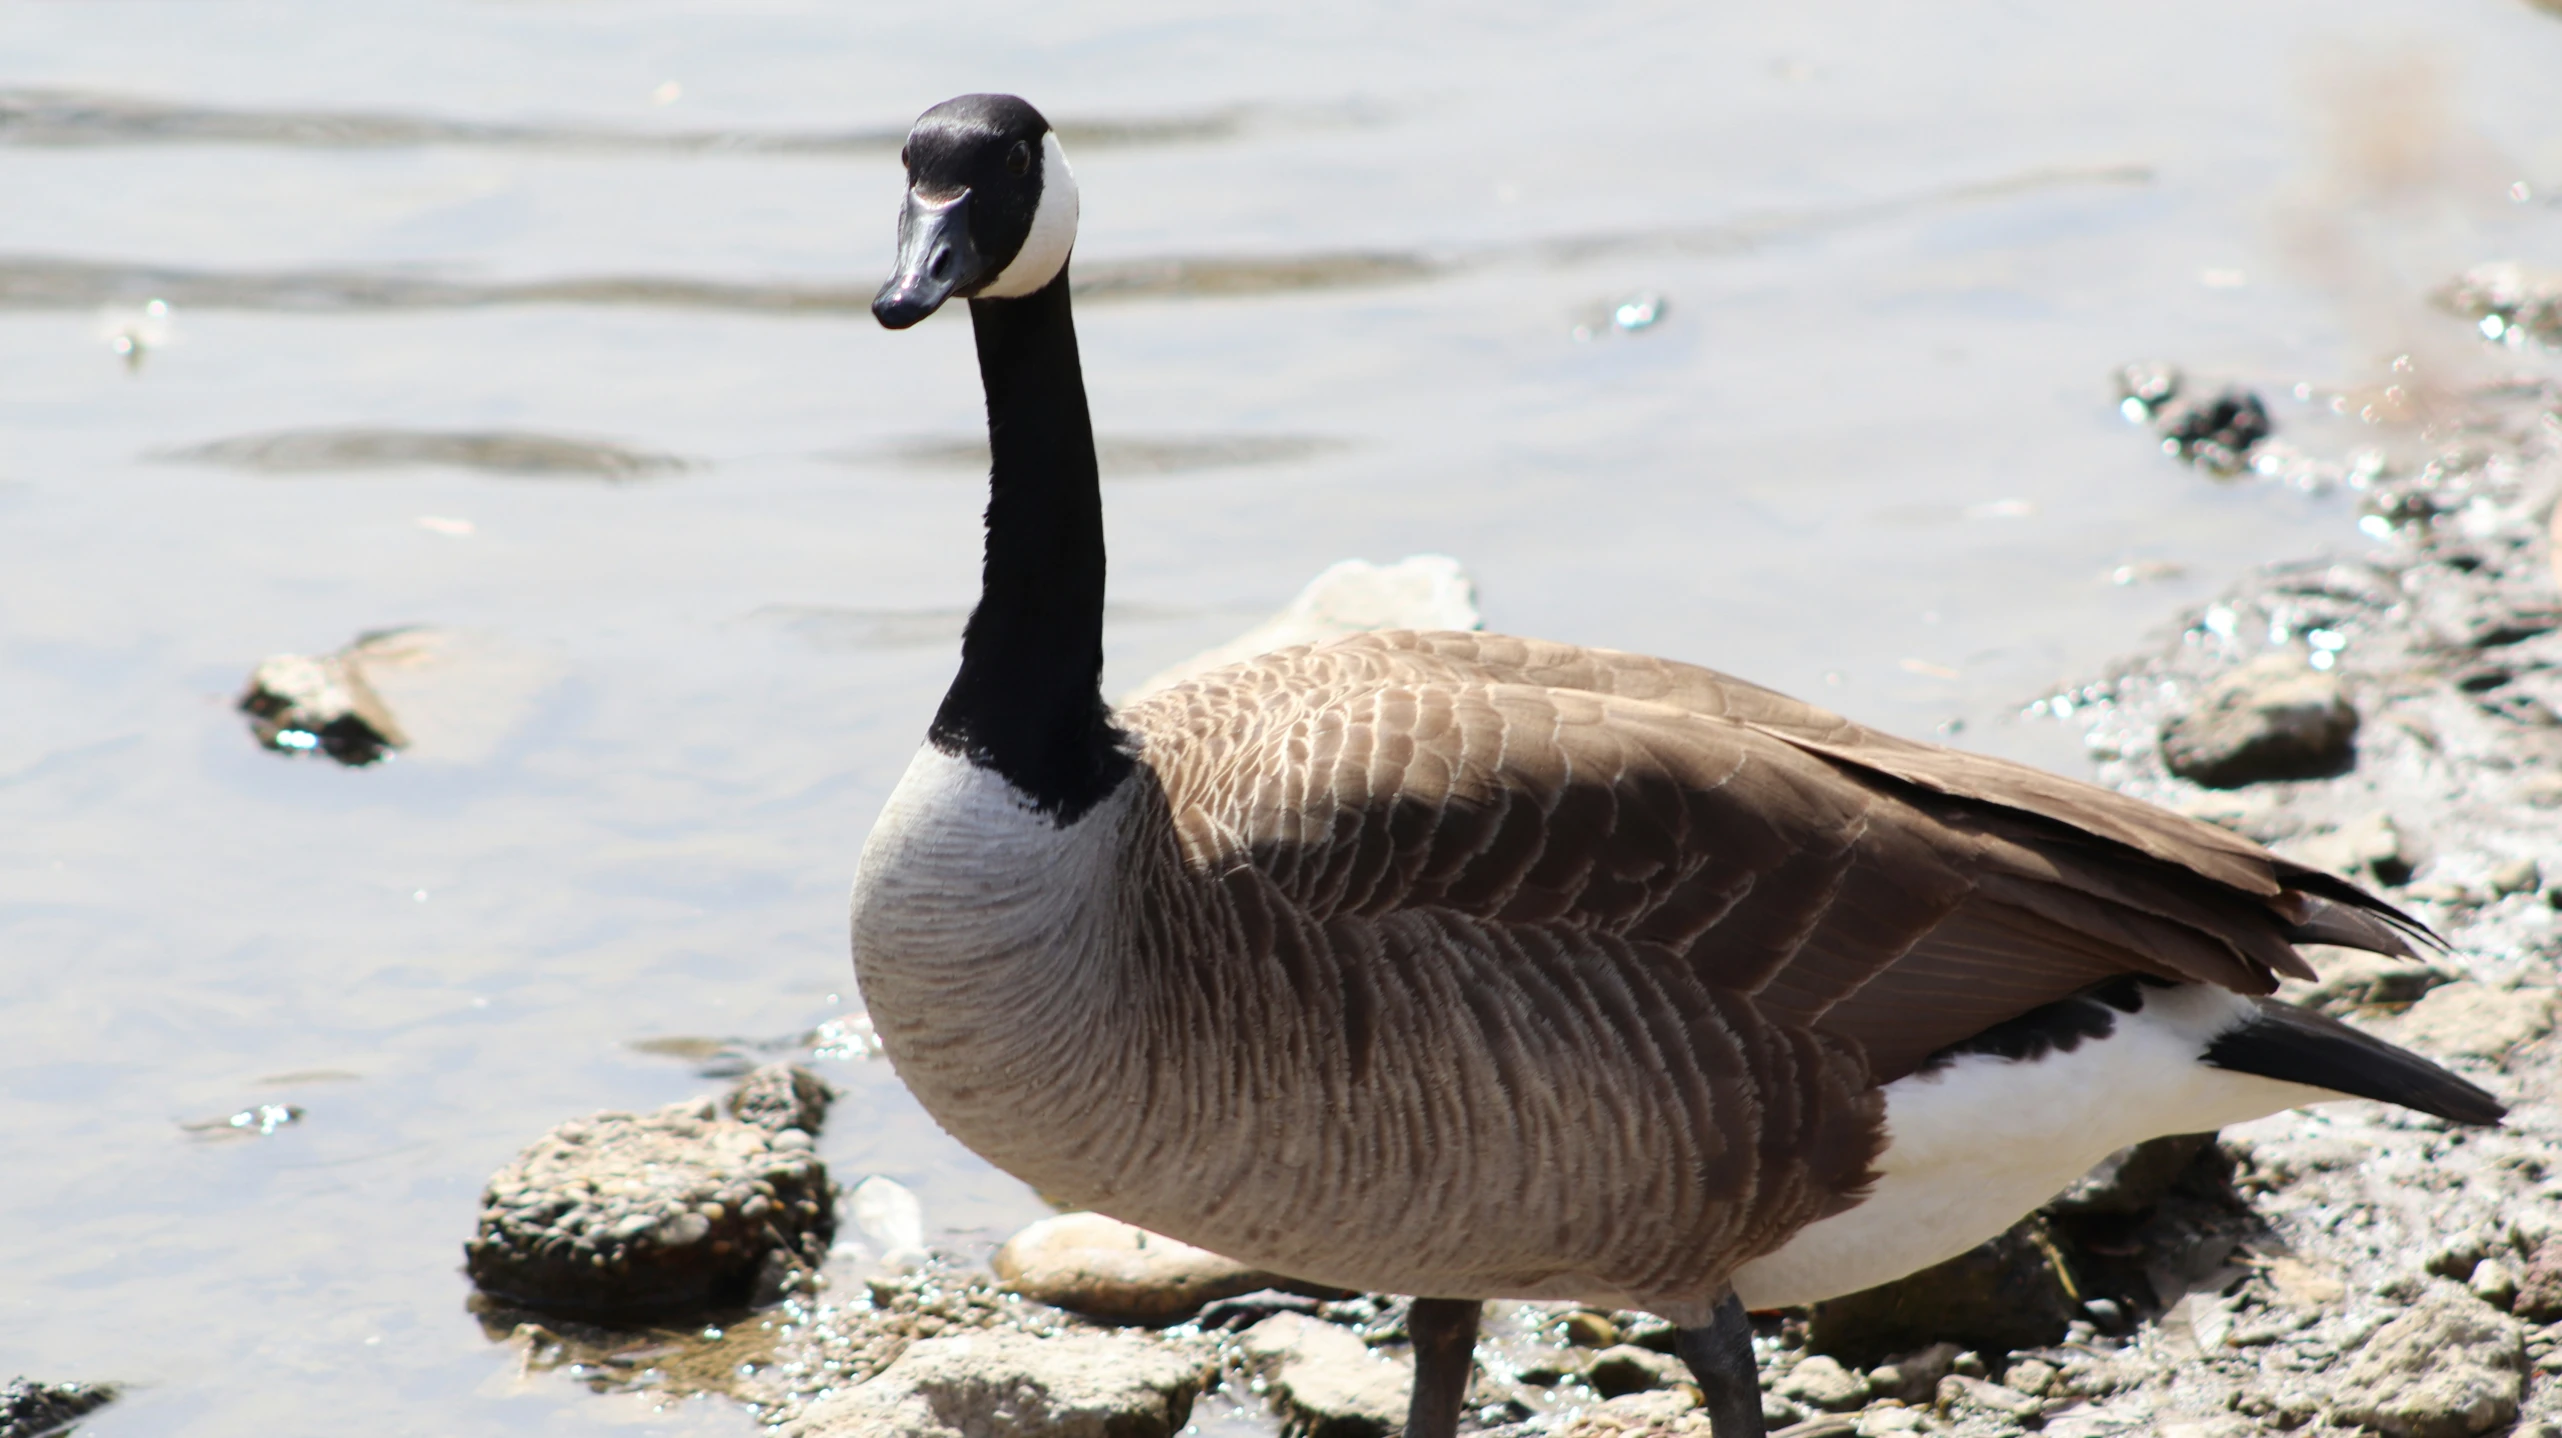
[{"x": 1896, "y": 894}]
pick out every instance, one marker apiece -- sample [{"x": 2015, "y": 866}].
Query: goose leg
[
  {"x": 1720, "y": 1357},
  {"x": 1445, "y": 1355}
]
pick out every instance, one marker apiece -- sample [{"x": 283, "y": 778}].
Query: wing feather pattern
[{"x": 1855, "y": 886}]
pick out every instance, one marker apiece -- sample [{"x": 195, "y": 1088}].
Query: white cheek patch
[{"x": 1045, "y": 249}]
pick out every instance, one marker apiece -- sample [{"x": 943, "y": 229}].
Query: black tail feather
[{"x": 2295, "y": 1045}]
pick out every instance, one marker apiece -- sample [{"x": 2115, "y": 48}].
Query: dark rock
[
  {"x": 982, "y": 1385},
  {"x": 2273, "y": 718},
  {"x": 1248, "y": 1309},
  {"x": 2132, "y": 1179},
  {"x": 2450, "y": 1367},
  {"x": 655, "y": 1213},
  {"x": 2010, "y": 1293},
  {"x": 1327, "y": 1381},
  {"x": 2214, "y": 433},
  {"x": 781, "y": 1096},
  {"x": 29, "y": 1409},
  {"x": 302, "y": 704}
]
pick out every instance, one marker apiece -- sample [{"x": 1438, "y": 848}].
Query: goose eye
[{"x": 1018, "y": 161}]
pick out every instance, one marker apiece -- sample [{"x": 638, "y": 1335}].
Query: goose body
[{"x": 1467, "y": 966}]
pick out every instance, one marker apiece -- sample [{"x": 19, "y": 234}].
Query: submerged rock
[
  {"x": 999, "y": 1384},
  {"x": 653, "y": 1213},
  {"x": 1108, "y": 1269},
  {"x": 2450, "y": 1367},
  {"x": 1326, "y": 1380},
  {"x": 2274, "y": 718},
  {"x": 29, "y": 1409},
  {"x": 2215, "y": 433}
]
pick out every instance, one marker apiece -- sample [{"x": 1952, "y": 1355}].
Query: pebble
[
  {"x": 2450, "y": 1367},
  {"x": 2273, "y": 718},
  {"x": 889, "y": 1215},
  {"x": 2494, "y": 1283},
  {"x": 2539, "y": 1295},
  {"x": 1630, "y": 1369},
  {"x": 2353, "y": 979},
  {"x": 1113, "y": 1270},
  {"x": 1083, "y": 1385},
  {"x": 2032, "y": 1376},
  {"x": 1585, "y": 1329},
  {"x": 1959, "y": 1392},
  {"x": 671, "y": 1211},
  {"x": 2214, "y": 432},
  {"x": 1822, "y": 1382},
  {"x": 1325, "y": 1378}
]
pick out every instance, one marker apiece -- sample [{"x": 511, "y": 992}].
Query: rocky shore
[{"x": 2395, "y": 716}]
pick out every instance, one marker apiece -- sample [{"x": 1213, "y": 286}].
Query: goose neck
[{"x": 1027, "y": 702}]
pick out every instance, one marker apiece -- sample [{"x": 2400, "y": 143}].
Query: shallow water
[{"x": 553, "y": 315}]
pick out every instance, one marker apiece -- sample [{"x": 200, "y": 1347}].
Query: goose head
[{"x": 991, "y": 208}]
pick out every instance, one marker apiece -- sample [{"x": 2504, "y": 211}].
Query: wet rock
[
  {"x": 1420, "y": 591},
  {"x": 2450, "y": 1367},
  {"x": 2007, "y": 1294},
  {"x": 2214, "y": 432},
  {"x": 1108, "y": 1269},
  {"x": 890, "y": 1217},
  {"x": 2476, "y": 1021},
  {"x": 1588, "y": 1330},
  {"x": 663, "y": 1212},
  {"x": 2508, "y": 302},
  {"x": 2274, "y": 718},
  {"x": 781, "y": 1096},
  {"x": 2134, "y": 1178},
  {"x": 1822, "y": 1382},
  {"x": 1327, "y": 1381},
  {"x": 29, "y": 1409},
  {"x": 2366, "y": 849},
  {"x": 1010, "y": 1385},
  {"x": 1627, "y": 1368},
  {"x": 304, "y": 704}
]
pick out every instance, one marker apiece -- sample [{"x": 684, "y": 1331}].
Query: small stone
[
  {"x": 1913, "y": 1377},
  {"x": 2032, "y": 1376},
  {"x": 1879, "y": 1421},
  {"x": 2215, "y": 432},
  {"x": 1961, "y": 1393},
  {"x": 306, "y": 703},
  {"x": 1077, "y": 1385},
  {"x": 2539, "y": 1295},
  {"x": 1630, "y": 1369},
  {"x": 1326, "y": 1379},
  {"x": 2273, "y": 718},
  {"x": 1585, "y": 1329},
  {"x": 2494, "y": 1283},
  {"x": 1109, "y": 1269},
  {"x": 1778, "y": 1412},
  {"x": 2353, "y": 979},
  {"x": 2470, "y": 1020},
  {"x": 2518, "y": 876},
  {"x": 2450, "y": 1367},
  {"x": 1822, "y": 1382},
  {"x": 780, "y": 1097}
]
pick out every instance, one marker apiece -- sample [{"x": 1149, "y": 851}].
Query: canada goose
[{"x": 1466, "y": 967}]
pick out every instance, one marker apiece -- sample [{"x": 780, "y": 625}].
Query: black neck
[{"x": 1028, "y": 701}]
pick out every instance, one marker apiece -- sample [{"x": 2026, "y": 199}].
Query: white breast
[{"x": 1977, "y": 1143}]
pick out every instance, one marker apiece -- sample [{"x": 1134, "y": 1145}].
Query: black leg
[
  {"x": 1445, "y": 1356},
  {"x": 1720, "y": 1357}
]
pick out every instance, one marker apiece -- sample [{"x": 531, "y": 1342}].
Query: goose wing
[{"x": 1898, "y": 895}]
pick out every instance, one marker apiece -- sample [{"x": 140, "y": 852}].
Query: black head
[{"x": 991, "y": 208}]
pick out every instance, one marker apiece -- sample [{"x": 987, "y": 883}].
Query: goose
[{"x": 1465, "y": 966}]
